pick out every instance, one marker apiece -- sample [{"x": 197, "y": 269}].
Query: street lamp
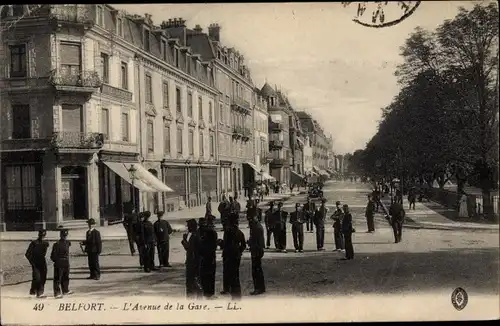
[{"x": 132, "y": 170}]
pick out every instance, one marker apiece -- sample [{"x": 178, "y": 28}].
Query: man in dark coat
[
  {"x": 347, "y": 230},
  {"x": 191, "y": 243},
  {"x": 60, "y": 258},
  {"x": 235, "y": 205},
  {"x": 224, "y": 210},
  {"x": 251, "y": 208},
  {"x": 148, "y": 243},
  {"x": 256, "y": 244},
  {"x": 278, "y": 228},
  {"x": 309, "y": 211},
  {"x": 338, "y": 237},
  {"x": 233, "y": 246},
  {"x": 137, "y": 231},
  {"x": 129, "y": 220},
  {"x": 208, "y": 211},
  {"x": 163, "y": 230},
  {"x": 36, "y": 252},
  {"x": 376, "y": 197},
  {"x": 93, "y": 248},
  {"x": 370, "y": 214},
  {"x": 397, "y": 216},
  {"x": 269, "y": 223},
  {"x": 297, "y": 220},
  {"x": 208, "y": 247},
  {"x": 412, "y": 197},
  {"x": 319, "y": 221}
]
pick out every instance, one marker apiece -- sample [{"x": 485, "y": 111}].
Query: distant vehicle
[{"x": 315, "y": 191}]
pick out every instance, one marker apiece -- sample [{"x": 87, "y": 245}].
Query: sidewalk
[
  {"x": 430, "y": 216},
  {"x": 117, "y": 232}
]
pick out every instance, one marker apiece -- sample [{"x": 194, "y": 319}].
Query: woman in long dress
[{"x": 463, "y": 212}]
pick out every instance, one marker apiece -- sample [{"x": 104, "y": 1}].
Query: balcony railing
[
  {"x": 276, "y": 144},
  {"x": 241, "y": 105},
  {"x": 89, "y": 79},
  {"x": 265, "y": 158},
  {"x": 77, "y": 140},
  {"x": 276, "y": 126},
  {"x": 278, "y": 162},
  {"x": 116, "y": 92},
  {"x": 79, "y": 14},
  {"x": 237, "y": 131}
]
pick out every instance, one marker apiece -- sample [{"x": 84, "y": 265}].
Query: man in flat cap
[
  {"x": 36, "y": 252},
  {"x": 163, "y": 230},
  {"x": 269, "y": 223},
  {"x": 309, "y": 209},
  {"x": 129, "y": 220},
  {"x": 60, "y": 257},
  {"x": 337, "y": 217},
  {"x": 297, "y": 220},
  {"x": 256, "y": 244},
  {"x": 233, "y": 246},
  {"x": 93, "y": 248},
  {"x": 191, "y": 243},
  {"x": 148, "y": 243},
  {"x": 208, "y": 247},
  {"x": 319, "y": 221},
  {"x": 137, "y": 231},
  {"x": 370, "y": 214},
  {"x": 348, "y": 230}
]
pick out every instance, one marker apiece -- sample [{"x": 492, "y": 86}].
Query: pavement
[
  {"x": 428, "y": 265},
  {"x": 177, "y": 220}
]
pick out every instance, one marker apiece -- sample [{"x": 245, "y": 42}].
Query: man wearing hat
[
  {"x": 297, "y": 221},
  {"x": 148, "y": 243},
  {"x": 347, "y": 230},
  {"x": 208, "y": 247},
  {"x": 256, "y": 244},
  {"x": 309, "y": 209},
  {"x": 191, "y": 243},
  {"x": 338, "y": 237},
  {"x": 93, "y": 248},
  {"x": 224, "y": 209},
  {"x": 36, "y": 252},
  {"x": 137, "y": 231},
  {"x": 233, "y": 246},
  {"x": 279, "y": 237},
  {"x": 319, "y": 221},
  {"x": 129, "y": 220},
  {"x": 60, "y": 257},
  {"x": 163, "y": 230},
  {"x": 370, "y": 214},
  {"x": 269, "y": 222}
]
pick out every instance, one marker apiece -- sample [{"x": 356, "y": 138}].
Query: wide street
[{"x": 425, "y": 260}]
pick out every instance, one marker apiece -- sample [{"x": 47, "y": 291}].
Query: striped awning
[{"x": 143, "y": 179}]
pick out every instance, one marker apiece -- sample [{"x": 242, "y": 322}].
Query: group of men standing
[{"x": 147, "y": 236}]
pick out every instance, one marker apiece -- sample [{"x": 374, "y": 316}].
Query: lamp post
[{"x": 132, "y": 170}]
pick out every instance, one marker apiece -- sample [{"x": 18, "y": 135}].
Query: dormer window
[
  {"x": 119, "y": 27},
  {"x": 100, "y": 16},
  {"x": 188, "y": 64},
  {"x": 147, "y": 40},
  {"x": 176, "y": 57},
  {"x": 164, "y": 49}
]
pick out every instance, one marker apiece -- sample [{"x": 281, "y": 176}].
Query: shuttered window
[
  {"x": 21, "y": 122},
  {"x": 190, "y": 105},
  {"x": 200, "y": 107},
  {"x": 18, "y": 60},
  {"x": 105, "y": 123},
  {"x": 72, "y": 118},
  {"x": 210, "y": 113},
  {"x": 71, "y": 60},
  {"x": 166, "y": 139},
  {"x": 165, "y": 94},
  {"x": 178, "y": 100},
  {"x": 179, "y": 140},
  {"x": 191, "y": 142},
  {"x": 21, "y": 187},
  {"x": 125, "y": 127},
  {"x": 202, "y": 145},
  {"x": 149, "y": 89},
  {"x": 212, "y": 144},
  {"x": 150, "y": 132}
]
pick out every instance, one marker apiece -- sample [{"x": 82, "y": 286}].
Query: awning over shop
[
  {"x": 267, "y": 176},
  {"x": 297, "y": 174},
  {"x": 296, "y": 177},
  {"x": 144, "y": 180},
  {"x": 253, "y": 166},
  {"x": 324, "y": 173},
  {"x": 316, "y": 169},
  {"x": 311, "y": 173}
]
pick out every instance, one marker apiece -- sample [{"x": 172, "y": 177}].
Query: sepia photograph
[{"x": 213, "y": 163}]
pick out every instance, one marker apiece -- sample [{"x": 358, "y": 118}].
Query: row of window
[{"x": 229, "y": 147}]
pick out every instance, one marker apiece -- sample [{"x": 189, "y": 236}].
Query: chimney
[
  {"x": 214, "y": 32},
  {"x": 198, "y": 29}
]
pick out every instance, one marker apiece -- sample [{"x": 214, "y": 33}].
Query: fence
[{"x": 451, "y": 200}]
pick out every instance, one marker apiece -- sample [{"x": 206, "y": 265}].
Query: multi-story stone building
[
  {"x": 320, "y": 142},
  {"x": 308, "y": 157},
  {"x": 233, "y": 80},
  {"x": 279, "y": 139},
  {"x": 261, "y": 134},
  {"x": 79, "y": 117},
  {"x": 297, "y": 150}
]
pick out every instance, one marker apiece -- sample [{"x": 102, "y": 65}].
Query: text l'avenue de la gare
[{"x": 136, "y": 306}]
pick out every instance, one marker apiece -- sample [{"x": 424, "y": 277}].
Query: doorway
[{"x": 74, "y": 193}]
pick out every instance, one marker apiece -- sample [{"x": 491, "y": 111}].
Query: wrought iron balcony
[
  {"x": 276, "y": 144},
  {"x": 238, "y": 132},
  {"x": 87, "y": 80},
  {"x": 116, "y": 92},
  {"x": 77, "y": 140},
  {"x": 246, "y": 133},
  {"x": 265, "y": 158},
  {"x": 276, "y": 126},
  {"x": 72, "y": 14},
  {"x": 241, "y": 105},
  {"x": 278, "y": 162}
]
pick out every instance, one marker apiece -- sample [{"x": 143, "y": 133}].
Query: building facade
[
  {"x": 80, "y": 116},
  {"x": 261, "y": 134},
  {"x": 320, "y": 142},
  {"x": 279, "y": 139},
  {"x": 297, "y": 150},
  {"x": 308, "y": 157},
  {"x": 235, "y": 112}
]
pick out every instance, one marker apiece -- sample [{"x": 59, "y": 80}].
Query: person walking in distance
[
  {"x": 412, "y": 197},
  {"x": 269, "y": 223},
  {"x": 208, "y": 247},
  {"x": 397, "y": 216},
  {"x": 319, "y": 221},
  {"x": 162, "y": 230},
  {"x": 309, "y": 211},
  {"x": 233, "y": 246},
  {"x": 191, "y": 243},
  {"x": 208, "y": 211},
  {"x": 148, "y": 242},
  {"x": 297, "y": 221},
  {"x": 370, "y": 214},
  {"x": 93, "y": 248},
  {"x": 224, "y": 209},
  {"x": 129, "y": 220},
  {"x": 347, "y": 230},
  {"x": 36, "y": 252},
  {"x": 338, "y": 237},
  {"x": 60, "y": 258},
  {"x": 256, "y": 244}
]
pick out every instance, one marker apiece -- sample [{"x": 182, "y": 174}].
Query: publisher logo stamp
[{"x": 459, "y": 298}]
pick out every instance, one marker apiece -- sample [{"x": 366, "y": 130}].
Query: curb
[{"x": 451, "y": 228}]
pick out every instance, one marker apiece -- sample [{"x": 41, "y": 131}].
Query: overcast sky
[{"x": 340, "y": 72}]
